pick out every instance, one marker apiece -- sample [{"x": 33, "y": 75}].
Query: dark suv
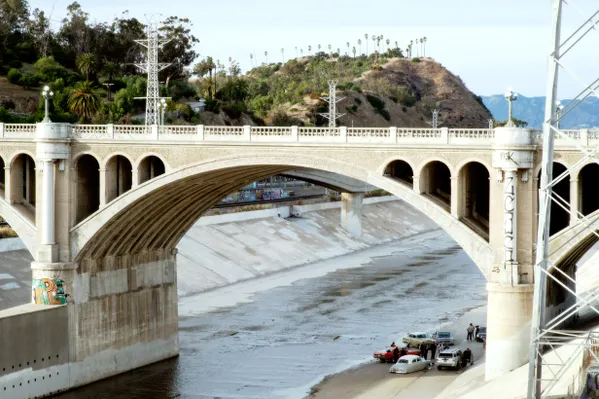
[{"x": 481, "y": 336}]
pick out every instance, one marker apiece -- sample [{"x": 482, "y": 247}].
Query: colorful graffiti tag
[{"x": 47, "y": 291}]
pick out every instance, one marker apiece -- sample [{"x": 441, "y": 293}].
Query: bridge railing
[{"x": 303, "y": 134}]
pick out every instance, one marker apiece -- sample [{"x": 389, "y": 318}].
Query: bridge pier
[
  {"x": 351, "y": 213},
  {"x": 509, "y": 314}
]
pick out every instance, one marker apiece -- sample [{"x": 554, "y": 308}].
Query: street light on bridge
[
  {"x": 510, "y": 96},
  {"x": 559, "y": 107},
  {"x": 47, "y": 95},
  {"x": 162, "y": 106}
]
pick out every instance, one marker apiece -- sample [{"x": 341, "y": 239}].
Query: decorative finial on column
[{"x": 510, "y": 96}]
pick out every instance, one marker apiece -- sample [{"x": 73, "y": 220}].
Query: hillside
[{"x": 532, "y": 110}]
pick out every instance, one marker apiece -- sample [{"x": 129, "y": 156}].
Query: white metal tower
[
  {"x": 153, "y": 43},
  {"x": 546, "y": 334},
  {"x": 332, "y": 99},
  {"x": 435, "y": 122}
]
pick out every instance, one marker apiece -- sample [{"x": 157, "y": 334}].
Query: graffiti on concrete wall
[
  {"x": 48, "y": 291},
  {"x": 509, "y": 210}
]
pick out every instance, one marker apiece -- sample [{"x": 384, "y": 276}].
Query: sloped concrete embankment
[{"x": 224, "y": 249}]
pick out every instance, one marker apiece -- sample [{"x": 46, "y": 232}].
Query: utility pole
[
  {"x": 153, "y": 43},
  {"x": 108, "y": 91},
  {"x": 332, "y": 100}
]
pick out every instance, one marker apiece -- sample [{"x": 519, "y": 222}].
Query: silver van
[{"x": 450, "y": 358}]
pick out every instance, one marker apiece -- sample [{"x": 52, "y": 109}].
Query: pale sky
[{"x": 490, "y": 44}]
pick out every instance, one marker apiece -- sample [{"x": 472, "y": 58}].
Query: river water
[{"x": 286, "y": 339}]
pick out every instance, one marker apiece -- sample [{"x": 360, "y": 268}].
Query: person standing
[
  {"x": 423, "y": 350},
  {"x": 433, "y": 350},
  {"x": 470, "y": 331},
  {"x": 395, "y": 354}
]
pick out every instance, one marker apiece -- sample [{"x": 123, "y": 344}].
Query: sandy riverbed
[{"x": 373, "y": 380}]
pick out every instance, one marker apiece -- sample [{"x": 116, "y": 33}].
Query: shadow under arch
[{"x": 156, "y": 215}]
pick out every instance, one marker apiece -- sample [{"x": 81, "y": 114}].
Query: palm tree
[
  {"x": 373, "y": 40},
  {"x": 85, "y": 64},
  {"x": 388, "y": 41},
  {"x": 84, "y": 101},
  {"x": 266, "y": 55},
  {"x": 360, "y": 44},
  {"x": 295, "y": 51},
  {"x": 347, "y": 46},
  {"x": 319, "y": 48},
  {"x": 411, "y": 43},
  {"x": 366, "y": 37},
  {"x": 310, "y": 50},
  {"x": 110, "y": 69},
  {"x": 330, "y": 50},
  {"x": 283, "y": 54},
  {"x": 417, "y": 49},
  {"x": 354, "y": 51},
  {"x": 252, "y": 59},
  {"x": 302, "y": 52},
  {"x": 424, "y": 46}
]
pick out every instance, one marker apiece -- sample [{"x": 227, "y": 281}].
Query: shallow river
[{"x": 288, "y": 338}]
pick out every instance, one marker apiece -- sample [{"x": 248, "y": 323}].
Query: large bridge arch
[
  {"x": 165, "y": 207},
  {"x": 24, "y": 228}
]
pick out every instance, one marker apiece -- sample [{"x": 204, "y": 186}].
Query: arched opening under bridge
[
  {"x": 119, "y": 177},
  {"x": 560, "y": 217},
  {"x": 435, "y": 182},
  {"x": 88, "y": 186},
  {"x": 149, "y": 168},
  {"x": 23, "y": 181},
  {"x": 400, "y": 170},
  {"x": 588, "y": 183},
  {"x": 474, "y": 197}
]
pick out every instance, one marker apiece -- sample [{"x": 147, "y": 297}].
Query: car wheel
[{"x": 439, "y": 368}]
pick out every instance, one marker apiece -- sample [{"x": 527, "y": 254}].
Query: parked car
[
  {"x": 444, "y": 338},
  {"x": 386, "y": 356},
  {"x": 481, "y": 336},
  {"x": 415, "y": 339},
  {"x": 410, "y": 364},
  {"x": 451, "y": 358}
]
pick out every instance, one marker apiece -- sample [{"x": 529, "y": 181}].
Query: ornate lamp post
[
  {"x": 162, "y": 106},
  {"x": 559, "y": 107},
  {"x": 47, "y": 95},
  {"x": 510, "y": 96}
]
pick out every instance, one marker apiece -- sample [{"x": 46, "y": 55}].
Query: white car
[
  {"x": 413, "y": 340},
  {"x": 410, "y": 364}
]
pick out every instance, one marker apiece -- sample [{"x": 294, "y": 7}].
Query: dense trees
[{"x": 80, "y": 55}]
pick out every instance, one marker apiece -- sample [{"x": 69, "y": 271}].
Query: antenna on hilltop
[
  {"x": 332, "y": 100},
  {"x": 153, "y": 43}
]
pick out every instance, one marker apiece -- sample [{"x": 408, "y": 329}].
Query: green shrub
[
  {"x": 404, "y": 109},
  {"x": 357, "y": 100},
  {"x": 385, "y": 114},
  {"x": 29, "y": 80},
  {"x": 376, "y": 102},
  {"x": 416, "y": 59},
  {"x": 233, "y": 111},
  {"x": 212, "y": 106},
  {"x": 405, "y": 97},
  {"x": 15, "y": 64},
  {"x": 185, "y": 111},
  {"x": 14, "y": 76},
  {"x": 352, "y": 108}
]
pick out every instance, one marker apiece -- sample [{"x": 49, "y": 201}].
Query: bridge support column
[
  {"x": 102, "y": 187},
  {"x": 574, "y": 201},
  {"x": 454, "y": 197},
  {"x": 351, "y": 213},
  {"x": 509, "y": 314},
  {"x": 48, "y": 203},
  {"x": 7, "y": 184}
]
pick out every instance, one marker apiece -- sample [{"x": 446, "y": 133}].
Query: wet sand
[{"x": 373, "y": 380}]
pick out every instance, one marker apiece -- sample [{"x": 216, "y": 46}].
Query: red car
[{"x": 386, "y": 356}]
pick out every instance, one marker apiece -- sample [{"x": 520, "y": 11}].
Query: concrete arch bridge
[{"x": 102, "y": 208}]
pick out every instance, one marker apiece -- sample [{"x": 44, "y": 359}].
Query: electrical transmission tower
[
  {"x": 332, "y": 99},
  {"x": 546, "y": 335},
  {"x": 153, "y": 43},
  {"x": 435, "y": 122}
]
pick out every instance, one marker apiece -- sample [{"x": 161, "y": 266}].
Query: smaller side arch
[
  {"x": 474, "y": 196},
  {"x": 401, "y": 170},
  {"x": 87, "y": 190},
  {"x": 23, "y": 181},
  {"x": 118, "y": 175},
  {"x": 435, "y": 182},
  {"x": 2, "y": 176},
  {"x": 149, "y": 167}
]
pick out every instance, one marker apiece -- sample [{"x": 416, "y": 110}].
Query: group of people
[{"x": 472, "y": 332}]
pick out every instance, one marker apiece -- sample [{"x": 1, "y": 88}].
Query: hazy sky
[{"x": 490, "y": 44}]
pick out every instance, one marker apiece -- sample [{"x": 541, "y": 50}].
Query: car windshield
[
  {"x": 483, "y": 329},
  {"x": 443, "y": 335},
  {"x": 445, "y": 355},
  {"x": 405, "y": 361}
]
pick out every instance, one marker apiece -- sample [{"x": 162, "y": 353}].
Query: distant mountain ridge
[{"x": 532, "y": 110}]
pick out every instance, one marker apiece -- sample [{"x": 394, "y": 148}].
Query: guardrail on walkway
[{"x": 374, "y": 135}]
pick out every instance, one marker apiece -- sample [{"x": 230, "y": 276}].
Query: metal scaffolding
[
  {"x": 549, "y": 335},
  {"x": 332, "y": 99},
  {"x": 153, "y": 43}
]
